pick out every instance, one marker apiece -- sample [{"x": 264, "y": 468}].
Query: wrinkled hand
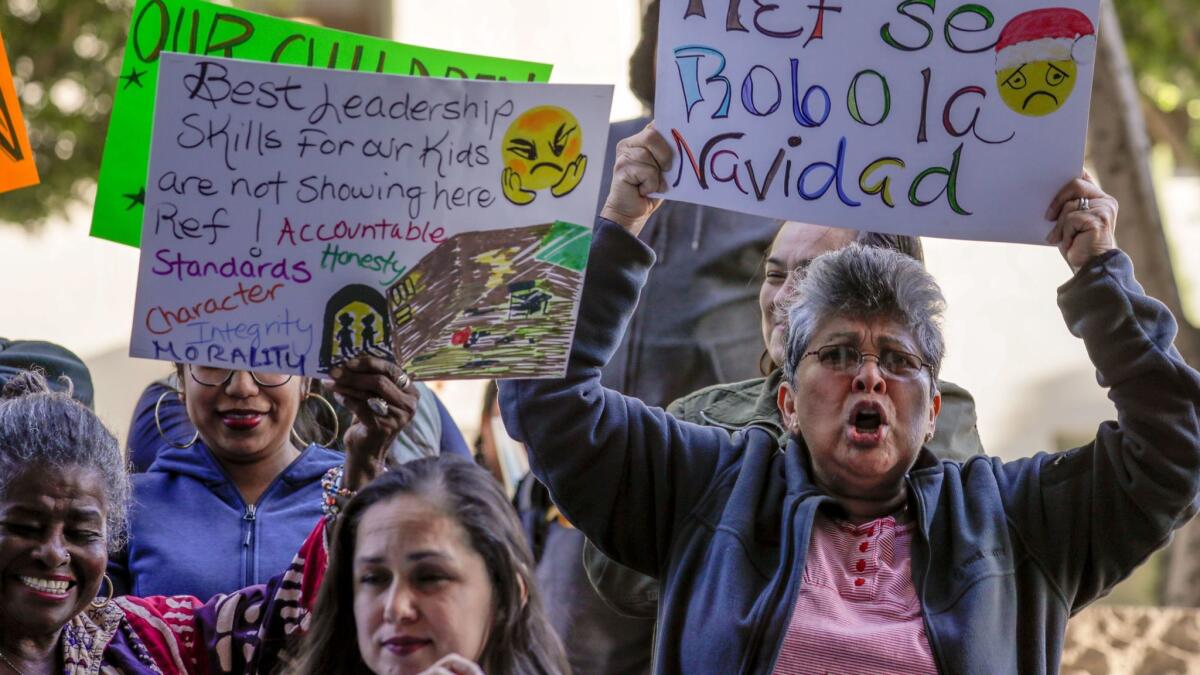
[
  {"x": 1082, "y": 234},
  {"x": 453, "y": 664},
  {"x": 641, "y": 161},
  {"x": 511, "y": 182},
  {"x": 357, "y": 382},
  {"x": 571, "y": 177}
]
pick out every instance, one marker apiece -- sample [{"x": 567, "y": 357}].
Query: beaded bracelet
[{"x": 332, "y": 492}]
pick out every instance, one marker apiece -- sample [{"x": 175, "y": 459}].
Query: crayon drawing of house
[{"x": 499, "y": 303}]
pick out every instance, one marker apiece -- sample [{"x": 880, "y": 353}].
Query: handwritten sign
[
  {"x": 17, "y": 167},
  {"x": 443, "y": 223},
  {"x": 198, "y": 27},
  {"x": 950, "y": 119}
]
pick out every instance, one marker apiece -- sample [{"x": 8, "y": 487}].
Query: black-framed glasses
[
  {"x": 219, "y": 377},
  {"x": 847, "y": 359}
]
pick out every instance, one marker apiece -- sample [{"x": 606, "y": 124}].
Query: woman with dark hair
[{"x": 429, "y": 561}]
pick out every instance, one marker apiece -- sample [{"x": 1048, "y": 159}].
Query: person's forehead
[
  {"x": 869, "y": 331},
  {"x": 799, "y": 241},
  {"x": 401, "y": 524},
  {"x": 77, "y": 493}
]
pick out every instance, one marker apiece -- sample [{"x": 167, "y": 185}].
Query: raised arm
[
  {"x": 1093, "y": 514},
  {"x": 623, "y": 473}
]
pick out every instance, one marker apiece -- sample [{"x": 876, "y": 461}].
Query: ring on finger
[
  {"x": 378, "y": 406},
  {"x": 1084, "y": 204},
  {"x": 403, "y": 380}
]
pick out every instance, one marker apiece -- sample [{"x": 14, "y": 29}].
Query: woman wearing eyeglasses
[
  {"x": 850, "y": 547},
  {"x": 227, "y": 506}
]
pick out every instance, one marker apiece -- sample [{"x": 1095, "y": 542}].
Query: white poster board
[
  {"x": 297, "y": 217},
  {"x": 957, "y": 120}
]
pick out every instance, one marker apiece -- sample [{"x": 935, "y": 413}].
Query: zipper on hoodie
[
  {"x": 248, "y": 519},
  {"x": 250, "y": 515}
]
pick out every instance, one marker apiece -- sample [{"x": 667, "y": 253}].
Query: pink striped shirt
[{"x": 857, "y": 611}]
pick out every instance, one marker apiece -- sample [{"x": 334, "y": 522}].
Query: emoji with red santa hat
[{"x": 1037, "y": 58}]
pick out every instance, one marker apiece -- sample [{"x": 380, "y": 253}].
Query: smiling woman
[
  {"x": 63, "y": 496},
  {"x": 63, "y": 490}
]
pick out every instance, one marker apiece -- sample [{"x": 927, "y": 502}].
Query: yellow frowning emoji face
[
  {"x": 542, "y": 149},
  {"x": 1037, "y": 88},
  {"x": 1038, "y": 55}
]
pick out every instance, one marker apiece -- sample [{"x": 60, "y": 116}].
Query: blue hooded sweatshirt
[{"x": 191, "y": 533}]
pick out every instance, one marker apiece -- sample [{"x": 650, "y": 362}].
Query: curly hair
[{"x": 44, "y": 429}]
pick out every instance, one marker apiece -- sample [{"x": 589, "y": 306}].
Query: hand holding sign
[
  {"x": 383, "y": 401},
  {"x": 1086, "y": 221},
  {"x": 637, "y": 176}
]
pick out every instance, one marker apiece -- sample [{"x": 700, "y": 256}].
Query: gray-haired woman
[{"x": 852, "y": 549}]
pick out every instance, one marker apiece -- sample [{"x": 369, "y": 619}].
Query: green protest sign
[{"x": 198, "y": 27}]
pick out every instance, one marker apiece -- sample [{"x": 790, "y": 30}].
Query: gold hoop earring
[
  {"x": 158, "y": 424},
  {"x": 100, "y": 604},
  {"x": 332, "y": 413}
]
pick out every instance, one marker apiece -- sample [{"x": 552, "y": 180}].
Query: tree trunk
[{"x": 1119, "y": 150}]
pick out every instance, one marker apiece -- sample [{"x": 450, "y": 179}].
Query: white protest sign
[
  {"x": 950, "y": 119},
  {"x": 297, "y": 217}
]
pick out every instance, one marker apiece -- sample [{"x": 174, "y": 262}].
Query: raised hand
[
  {"x": 638, "y": 171},
  {"x": 383, "y": 400},
  {"x": 1085, "y": 221}
]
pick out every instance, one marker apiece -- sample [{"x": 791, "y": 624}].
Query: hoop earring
[
  {"x": 769, "y": 367},
  {"x": 100, "y": 604},
  {"x": 158, "y": 424},
  {"x": 332, "y": 413}
]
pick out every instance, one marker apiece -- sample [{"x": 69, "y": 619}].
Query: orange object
[{"x": 17, "y": 168}]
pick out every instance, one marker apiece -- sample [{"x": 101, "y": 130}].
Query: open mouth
[
  {"x": 53, "y": 588},
  {"x": 866, "y": 424}
]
